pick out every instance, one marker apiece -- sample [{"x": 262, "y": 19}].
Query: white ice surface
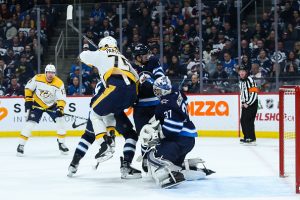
[{"x": 242, "y": 172}]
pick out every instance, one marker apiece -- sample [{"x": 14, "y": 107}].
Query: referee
[{"x": 249, "y": 102}]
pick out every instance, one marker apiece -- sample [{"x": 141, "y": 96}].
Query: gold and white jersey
[
  {"x": 45, "y": 94},
  {"x": 109, "y": 61}
]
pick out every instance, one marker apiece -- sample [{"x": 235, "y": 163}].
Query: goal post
[{"x": 289, "y": 133}]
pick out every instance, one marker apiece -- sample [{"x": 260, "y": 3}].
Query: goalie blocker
[{"x": 175, "y": 133}]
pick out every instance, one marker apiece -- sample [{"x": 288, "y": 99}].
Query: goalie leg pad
[{"x": 164, "y": 172}]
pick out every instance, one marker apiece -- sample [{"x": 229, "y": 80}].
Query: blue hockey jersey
[
  {"x": 173, "y": 116},
  {"x": 154, "y": 70}
]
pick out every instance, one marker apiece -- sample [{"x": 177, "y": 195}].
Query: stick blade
[{"x": 70, "y": 12}]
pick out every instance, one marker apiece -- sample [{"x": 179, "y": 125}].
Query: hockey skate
[
  {"x": 73, "y": 167},
  {"x": 105, "y": 152},
  {"x": 63, "y": 148},
  {"x": 128, "y": 172},
  {"x": 192, "y": 170},
  {"x": 20, "y": 150},
  {"x": 174, "y": 179}
]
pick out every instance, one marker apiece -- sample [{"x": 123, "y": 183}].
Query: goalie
[{"x": 170, "y": 138}]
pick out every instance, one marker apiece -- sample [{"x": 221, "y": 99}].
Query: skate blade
[
  {"x": 64, "y": 152},
  {"x": 20, "y": 154},
  {"x": 135, "y": 176},
  {"x": 70, "y": 174},
  {"x": 172, "y": 185}
]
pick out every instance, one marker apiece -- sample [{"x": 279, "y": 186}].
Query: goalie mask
[{"x": 162, "y": 86}]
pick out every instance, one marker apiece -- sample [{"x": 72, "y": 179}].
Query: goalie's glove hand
[
  {"x": 150, "y": 134},
  {"x": 28, "y": 105},
  {"x": 59, "y": 112}
]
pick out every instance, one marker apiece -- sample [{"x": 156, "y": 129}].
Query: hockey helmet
[
  {"x": 162, "y": 86},
  {"x": 140, "y": 49},
  {"x": 108, "y": 41},
  {"x": 50, "y": 68}
]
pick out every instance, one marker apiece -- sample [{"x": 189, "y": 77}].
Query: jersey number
[
  {"x": 168, "y": 114},
  {"x": 125, "y": 63}
]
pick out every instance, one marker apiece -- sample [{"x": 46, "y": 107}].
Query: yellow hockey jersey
[
  {"x": 45, "y": 94},
  {"x": 109, "y": 61}
]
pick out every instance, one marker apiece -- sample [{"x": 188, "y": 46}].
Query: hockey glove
[
  {"x": 28, "y": 105},
  {"x": 59, "y": 112}
]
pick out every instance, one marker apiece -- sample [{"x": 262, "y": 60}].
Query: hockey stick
[
  {"x": 70, "y": 23},
  {"x": 53, "y": 111},
  {"x": 182, "y": 82}
]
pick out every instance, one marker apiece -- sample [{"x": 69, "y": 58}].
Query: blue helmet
[{"x": 162, "y": 86}]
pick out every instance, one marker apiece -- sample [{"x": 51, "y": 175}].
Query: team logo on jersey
[
  {"x": 269, "y": 103},
  {"x": 164, "y": 101},
  {"x": 45, "y": 93}
]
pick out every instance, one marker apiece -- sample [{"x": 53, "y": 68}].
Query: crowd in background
[
  {"x": 19, "y": 43},
  {"x": 220, "y": 51}
]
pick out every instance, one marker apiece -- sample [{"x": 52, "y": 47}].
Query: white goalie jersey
[
  {"x": 46, "y": 94},
  {"x": 109, "y": 61}
]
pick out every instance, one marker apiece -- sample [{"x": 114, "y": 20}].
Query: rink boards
[{"x": 213, "y": 115}]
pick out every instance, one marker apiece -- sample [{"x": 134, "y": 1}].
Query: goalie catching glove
[{"x": 151, "y": 133}]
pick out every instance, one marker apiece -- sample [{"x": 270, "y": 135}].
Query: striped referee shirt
[{"x": 248, "y": 90}]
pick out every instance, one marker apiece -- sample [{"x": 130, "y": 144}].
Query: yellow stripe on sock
[
  {"x": 61, "y": 136},
  {"x": 23, "y": 137},
  {"x": 100, "y": 135}
]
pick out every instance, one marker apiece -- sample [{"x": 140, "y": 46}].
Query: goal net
[{"x": 289, "y": 135}]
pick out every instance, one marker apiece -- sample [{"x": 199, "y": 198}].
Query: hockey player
[
  {"x": 124, "y": 126},
  {"x": 172, "y": 134},
  {"x": 44, "y": 93},
  {"x": 149, "y": 69},
  {"x": 120, "y": 82}
]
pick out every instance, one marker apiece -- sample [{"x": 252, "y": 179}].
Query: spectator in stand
[
  {"x": 266, "y": 22},
  {"x": 90, "y": 34},
  {"x": 297, "y": 49},
  {"x": 212, "y": 64},
  {"x": 256, "y": 75},
  {"x": 16, "y": 46},
  {"x": 74, "y": 88},
  {"x": 154, "y": 37},
  {"x": 264, "y": 63},
  {"x": 194, "y": 66},
  {"x": 10, "y": 58},
  {"x": 92, "y": 27},
  {"x": 14, "y": 88},
  {"x": 256, "y": 49},
  {"x": 270, "y": 42},
  {"x": 27, "y": 22},
  {"x": 290, "y": 74},
  {"x": 22, "y": 38},
  {"x": 185, "y": 55},
  {"x": 246, "y": 33},
  {"x": 192, "y": 86},
  {"x": 98, "y": 13},
  {"x": 291, "y": 60},
  {"x": 246, "y": 62},
  {"x": 31, "y": 37},
  {"x": 174, "y": 67},
  {"x": 259, "y": 32},
  {"x": 296, "y": 18},
  {"x": 186, "y": 11},
  {"x": 287, "y": 14},
  {"x": 112, "y": 18},
  {"x": 24, "y": 71},
  {"x": 206, "y": 53},
  {"x": 30, "y": 57},
  {"x": 228, "y": 32},
  {"x": 245, "y": 50},
  {"x": 220, "y": 77},
  {"x": 5, "y": 13},
  {"x": 229, "y": 65},
  {"x": 292, "y": 33},
  {"x": 105, "y": 27}
]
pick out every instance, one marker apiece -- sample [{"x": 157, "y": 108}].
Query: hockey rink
[{"x": 242, "y": 172}]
